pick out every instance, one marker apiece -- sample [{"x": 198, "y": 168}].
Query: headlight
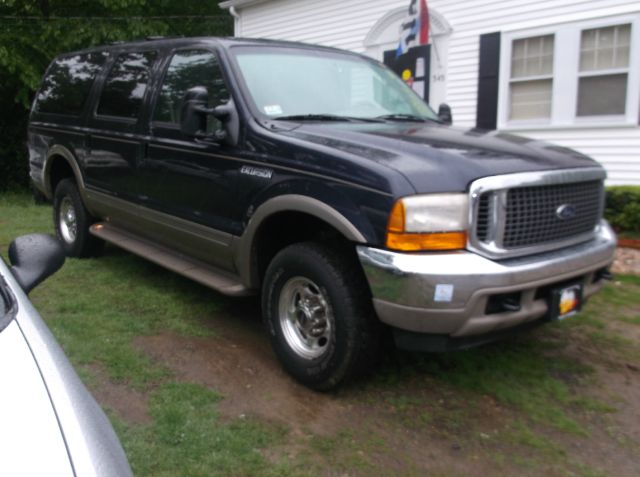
[{"x": 429, "y": 222}]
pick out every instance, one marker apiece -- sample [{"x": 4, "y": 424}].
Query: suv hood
[
  {"x": 30, "y": 437},
  {"x": 438, "y": 158}
]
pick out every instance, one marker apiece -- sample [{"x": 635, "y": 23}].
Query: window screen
[
  {"x": 186, "y": 70},
  {"x": 126, "y": 84},
  {"x": 68, "y": 82}
]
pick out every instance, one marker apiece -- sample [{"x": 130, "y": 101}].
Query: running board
[{"x": 198, "y": 271}]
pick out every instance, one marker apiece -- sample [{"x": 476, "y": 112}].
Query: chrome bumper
[{"x": 447, "y": 293}]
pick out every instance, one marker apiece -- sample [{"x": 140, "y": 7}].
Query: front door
[{"x": 190, "y": 181}]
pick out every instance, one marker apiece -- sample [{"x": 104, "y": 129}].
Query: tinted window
[
  {"x": 126, "y": 84},
  {"x": 186, "y": 70},
  {"x": 67, "y": 84}
]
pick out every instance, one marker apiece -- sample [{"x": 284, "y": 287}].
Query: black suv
[{"x": 318, "y": 178}]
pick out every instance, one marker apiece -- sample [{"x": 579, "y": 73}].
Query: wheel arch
[
  {"x": 60, "y": 161},
  {"x": 312, "y": 214}
]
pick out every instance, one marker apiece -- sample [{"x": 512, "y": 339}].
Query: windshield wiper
[
  {"x": 324, "y": 117},
  {"x": 313, "y": 117},
  {"x": 404, "y": 117}
]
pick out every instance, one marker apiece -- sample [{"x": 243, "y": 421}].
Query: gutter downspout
[{"x": 236, "y": 21}]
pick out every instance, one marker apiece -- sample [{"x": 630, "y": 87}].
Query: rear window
[
  {"x": 66, "y": 86},
  {"x": 126, "y": 85}
]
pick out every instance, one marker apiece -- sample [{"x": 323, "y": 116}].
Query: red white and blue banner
[{"x": 414, "y": 30}]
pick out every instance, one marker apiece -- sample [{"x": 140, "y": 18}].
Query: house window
[
  {"x": 604, "y": 70},
  {"x": 582, "y": 74},
  {"x": 531, "y": 78}
]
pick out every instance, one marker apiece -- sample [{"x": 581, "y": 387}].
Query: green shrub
[{"x": 623, "y": 208}]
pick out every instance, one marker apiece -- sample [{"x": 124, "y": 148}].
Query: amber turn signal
[
  {"x": 396, "y": 219},
  {"x": 426, "y": 241}
]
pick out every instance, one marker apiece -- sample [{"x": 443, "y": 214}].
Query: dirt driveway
[{"x": 570, "y": 406}]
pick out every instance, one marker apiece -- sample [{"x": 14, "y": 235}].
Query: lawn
[{"x": 192, "y": 388}]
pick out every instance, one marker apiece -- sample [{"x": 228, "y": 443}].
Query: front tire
[
  {"x": 317, "y": 308},
  {"x": 72, "y": 221}
]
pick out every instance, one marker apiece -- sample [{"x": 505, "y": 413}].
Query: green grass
[
  {"x": 522, "y": 373},
  {"x": 633, "y": 320},
  {"x": 187, "y": 438},
  {"x": 96, "y": 307},
  {"x": 20, "y": 216},
  {"x": 97, "y": 301},
  {"x": 534, "y": 385}
]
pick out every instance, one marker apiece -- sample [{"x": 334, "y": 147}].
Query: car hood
[
  {"x": 31, "y": 441},
  {"x": 57, "y": 425},
  {"x": 436, "y": 158}
]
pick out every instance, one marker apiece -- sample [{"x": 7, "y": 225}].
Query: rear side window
[
  {"x": 66, "y": 86},
  {"x": 186, "y": 70},
  {"x": 126, "y": 84}
]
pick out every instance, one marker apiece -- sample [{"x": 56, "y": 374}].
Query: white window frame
[{"x": 566, "y": 74}]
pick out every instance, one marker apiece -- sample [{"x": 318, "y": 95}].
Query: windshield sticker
[{"x": 273, "y": 109}]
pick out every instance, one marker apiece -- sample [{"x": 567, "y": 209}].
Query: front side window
[
  {"x": 66, "y": 86},
  {"x": 186, "y": 70},
  {"x": 126, "y": 85},
  {"x": 531, "y": 82},
  {"x": 604, "y": 70},
  {"x": 286, "y": 82}
]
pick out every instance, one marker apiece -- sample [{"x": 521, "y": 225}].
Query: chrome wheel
[
  {"x": 67, "y": 220},
  {"x": 306, "y": 317}
]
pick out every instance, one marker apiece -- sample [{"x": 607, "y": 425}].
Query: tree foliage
[{"x": 33, "y": 32}]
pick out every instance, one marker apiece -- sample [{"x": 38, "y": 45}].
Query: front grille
[
  {"x": 519, "y": 214},
  {"x": 483, "y": 218},
  {"x": 531, "y": 213}
]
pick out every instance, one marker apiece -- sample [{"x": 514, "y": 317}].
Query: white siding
[
  {"x": 346, "y": 23},
  {"x": 617, "y": 148}
]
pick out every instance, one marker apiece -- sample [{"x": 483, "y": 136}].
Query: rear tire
[
  {"x": 72, "y": 221},
  {"x": 317, "y": 308}
]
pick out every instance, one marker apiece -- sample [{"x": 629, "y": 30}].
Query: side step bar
[{"x": 200, "y": 272}]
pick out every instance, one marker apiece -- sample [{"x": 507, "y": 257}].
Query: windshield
[{"x": 284, "y": 82}]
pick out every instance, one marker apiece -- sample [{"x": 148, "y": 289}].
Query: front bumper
[{"x": 449, "y": 293}]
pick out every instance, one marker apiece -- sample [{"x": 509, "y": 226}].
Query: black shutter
[{"x": 488, "y": 76}]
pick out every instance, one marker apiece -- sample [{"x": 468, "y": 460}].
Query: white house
[{"x": 566, "y": 71}]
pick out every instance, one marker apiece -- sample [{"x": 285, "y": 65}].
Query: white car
[{"x": 49, "y": 423}]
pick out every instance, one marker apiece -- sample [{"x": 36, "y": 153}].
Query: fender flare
[
  {"x": 62, "y": 151},
  {"x": 244, "y": 247}
]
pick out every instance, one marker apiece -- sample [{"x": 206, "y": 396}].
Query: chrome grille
[
  {"x": 532, "y": 218},
  {"x": 483, "y": 218},
  {"x": 524, "y": 213}
]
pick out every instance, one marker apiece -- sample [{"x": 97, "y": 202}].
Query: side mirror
[
  {"x": 35, "y": 257},
  {"x": 193, "y": 117},
  {"x": 444, "y": 113}
]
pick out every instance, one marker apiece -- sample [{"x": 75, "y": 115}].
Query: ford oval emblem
[{"x": 566, "y": 212}]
